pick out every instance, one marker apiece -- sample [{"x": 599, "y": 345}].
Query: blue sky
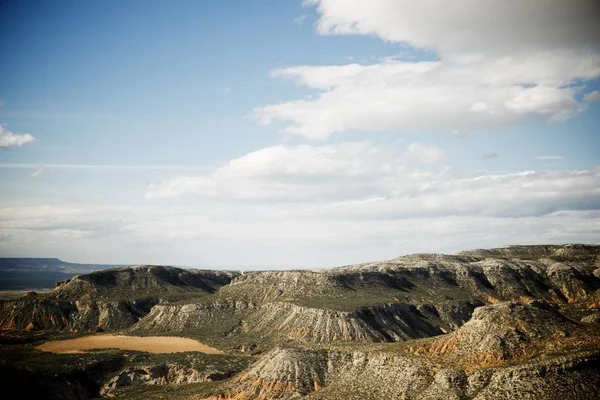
[
  {"x": 229, "y": 122},
  {"x": 104, "y": 75}
]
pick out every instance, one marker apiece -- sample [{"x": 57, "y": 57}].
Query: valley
[{"x": 513, "y": 322}]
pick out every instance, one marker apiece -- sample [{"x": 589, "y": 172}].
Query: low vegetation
[{"x": 485, "y": 324}]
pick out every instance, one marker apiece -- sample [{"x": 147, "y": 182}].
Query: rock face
[
  {"x": 186, "y": 368},
  {"x": 390, "y": 322},
  {"x": 406, "y": 298},
  {"x": 592, "y": 318},
  {"x": 165, "y": 318},
  {"x": 559, "y": 274},
  {"x": 487, "y": 279},
  {"x": 506, "y": 331},
  {"x": 584, "y": 253},
  {"x": 446, "y": 367},
  {"x": 281, "y": 321},
  {"x": 71, "y": 315},
  {"x": 161, "y": 374},
  {"x": 107, "y": 300},
  {"x": 267, "y": 286}
]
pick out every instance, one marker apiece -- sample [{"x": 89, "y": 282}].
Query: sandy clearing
[{"x": 150, "y": 344}]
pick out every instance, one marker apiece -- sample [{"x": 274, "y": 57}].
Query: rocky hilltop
[
  {"x": 406, "y": 298},
  {"x": 111, "y": 299},
  {"x": 74, "y": 316},
  {"x": 496, "y": 354},
  {"x": 514, "y": 322},
  {"x": 141, "y": 281}
]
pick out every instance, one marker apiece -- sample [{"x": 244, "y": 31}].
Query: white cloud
[
  {"x": 311, "y": 206},
  {"x": 467, "y": 26},
  {"x": 592, "y": 96},
  {"x": 479, "y": 106},
  {"x": 425, "y": 153},
  {"x": 65, "y": 221},
  {"x": 524, "y": 194},
  {"x": 360, "y": 180},
  {"x": 543, "y": 100},
  {"x": 499, "y": 63},
  {"x": 292, "y": 173},
  {"x": 10, "y": 139},
  {"x": 37, "y": 172},
  {"x": 400, "y": 96},
  {"x": 300, "y": 19},
  {"x": 263, "y": 237}
]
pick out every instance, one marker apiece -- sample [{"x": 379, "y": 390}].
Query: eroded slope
[{"x": 511, "y": 349}]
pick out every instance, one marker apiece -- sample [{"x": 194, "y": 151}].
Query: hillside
[
  {"x": 473, "y": 362},
  {"x": 108, "y": 299},
  {"x": 144, "y": 281},
  {"x": 514, "y": 322}
]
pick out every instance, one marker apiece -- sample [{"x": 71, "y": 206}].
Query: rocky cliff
[
  {"x": 283, "y": 322},
  {"x": 34, "y": 315},
  {"x": 181, "y": 370},
  {"x": 402, "y": 299},
  {"x": 515, "y": 322},
  {"x": 109, "y": 299},
  {"x": 508, "y": 349}
]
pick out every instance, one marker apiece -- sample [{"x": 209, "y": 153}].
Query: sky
[{"x": 296, "y": 134}]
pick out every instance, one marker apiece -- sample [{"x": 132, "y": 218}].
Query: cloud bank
[
  {"x": 499, "y": 62},
  {"x": 492, "y": 63},
  {"x": 362, "y": 180}
]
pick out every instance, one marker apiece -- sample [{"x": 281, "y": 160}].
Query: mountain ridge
[{"x": 514, "y": 322}]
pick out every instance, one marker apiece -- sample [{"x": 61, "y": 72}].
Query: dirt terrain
[{"x": 150, "y": 344}]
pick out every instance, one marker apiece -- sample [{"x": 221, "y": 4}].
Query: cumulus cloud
[
  {"x": 10, "y": 139},
  {"x": 523, "y": 194},
  {"x": 479, "y": 106},
  {"x": 361, "y": 180},
  {"x": 592, "y": 96},
  {"x": 493, "y": 63},
  {"x": 312, "y": 206},
  {"x": 292, "y": 173},
  {"x": 466, "y": 26},
  {"x": 498, "y": 63},
  {"x": 265, "y": 235},
  {"x": 425, "y": 153}
]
